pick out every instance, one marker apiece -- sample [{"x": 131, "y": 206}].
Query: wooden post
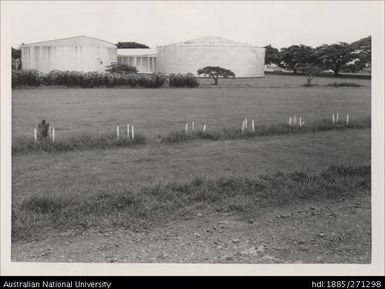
[
  {"x": 245, "y": 123},
  {"x": 333, "y": 118},
  {"x": 128, "y": 131},
  {"x": 204, "y": 128},
  {"x": 132, "y": 132},
  {"x": 290, "y": 121},
  {"x": 252, "y": 125},
  {"x": 35, "y": 134},
  {"x": 117, "y": 131},
  {"x": 337, "y": 117},
  {"x": 53, "y": 134},
  {"x": 300, "y": 121},
  {"x": 347, "y": 119},
  {"x": 295, "y": 120},
  {"x": 186, "y": 127}
]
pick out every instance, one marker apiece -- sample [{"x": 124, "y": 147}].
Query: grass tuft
[
  {"x": 37, "y": 216},
  {"x": 344, "y": 84},
  {"x": 82, "y": 142},
  {"x": 264, "y": 130}
]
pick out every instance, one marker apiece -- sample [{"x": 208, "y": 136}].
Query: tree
[
  {"x": 362, "y": 53},
  {"x": 334, "y": 56},
  {"x": 294, "y": 55},
  {"x": 122, "y": 45},
  {"x": 16, "y": 53},
  {"x": 215, "y": 72},
  {"x": 121, "y": 68},
  {"x": 310, "y": 70},
  {"x": 271, "y": 55}
]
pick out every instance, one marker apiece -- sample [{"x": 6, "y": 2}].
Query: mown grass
[
  {"x": 23, "y": 145},
  {"x": 265, "y": 130},
  {"x": 39, "y": 215}
]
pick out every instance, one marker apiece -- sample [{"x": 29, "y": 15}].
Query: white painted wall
[
  {"x": 244, "y": 61},
  {"x": 77, "y": 58}
]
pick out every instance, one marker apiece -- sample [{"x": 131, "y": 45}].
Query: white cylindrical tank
[
  {"x": 187, "y": 57},
  {"x": 80, "y": 53}
]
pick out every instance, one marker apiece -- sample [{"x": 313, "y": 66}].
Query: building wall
[
  {"x": 144, "y": 64},
  {"x": 78, "y": 58},
  {"x": 244, "y": 61}
]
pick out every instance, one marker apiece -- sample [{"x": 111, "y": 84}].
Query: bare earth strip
[{"x": 290, "y": 234}]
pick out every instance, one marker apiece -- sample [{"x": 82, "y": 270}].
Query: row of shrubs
[{"x": 25, "y": 78}]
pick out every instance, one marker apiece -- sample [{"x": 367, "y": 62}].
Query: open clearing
[
  {"x": 268, "y": 100},
  {"x": 307, "y": 231}
]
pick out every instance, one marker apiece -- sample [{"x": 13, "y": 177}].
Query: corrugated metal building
[
  {"x": 144, "y": 59},
  {"x": 80, "y": 53},
  {"x": 188, "y": 56}
]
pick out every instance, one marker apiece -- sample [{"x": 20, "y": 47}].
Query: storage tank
[
  {"x": 187, "y": 57},
  {"x": 80, "y": 53}
]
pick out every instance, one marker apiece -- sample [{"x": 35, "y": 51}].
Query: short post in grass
[
  {"x": 204, "y": 128},
  {"x": 117, "y": 131},
  {"x": 333, "y": 119},
  {"x": 132, "y": 132},
  {"x": 337, "y": 117},
  {"x": 252, "y": 126},
  {"x": 53, "y": 134},
  {"x": 295, "y": 120},
  {"x": 245, "y": 123},
  {"x": 347, "y": 119},
  {"x": 290, "y": 121},
  {"x": 186, "y": 127},
  {"x": 301, "y": 123},
  {"x": 192, "y": 126},
  {"x": 128, "y": 131},
  {"x": 35, "y": 134}
]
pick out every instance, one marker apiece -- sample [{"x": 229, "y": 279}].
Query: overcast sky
[{"x": 156, "y": 23}]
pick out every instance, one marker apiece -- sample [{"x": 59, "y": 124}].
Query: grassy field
[
  {"x": 268, "y": 100},
  {"x": 40, "y": 179}
]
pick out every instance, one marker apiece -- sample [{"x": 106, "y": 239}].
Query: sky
[{"x": 280, "y": 24}]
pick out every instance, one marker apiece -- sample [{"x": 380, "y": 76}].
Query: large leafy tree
[
  {"x": 272, "y": 55},
  {"x": 215, "y": 72},
  {"x": 294, "y": 55},
  {"x": 362, "y": 53},
  {"x": 121, "y": 45},
  {"x": 334, "y": 56}
]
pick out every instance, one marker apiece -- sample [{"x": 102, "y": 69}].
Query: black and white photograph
[{"x": 193, "y": 132}]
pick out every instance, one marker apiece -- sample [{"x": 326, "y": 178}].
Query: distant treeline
[
  {"x": 338, "y": 57},
  {"x": 33, "y": 78}
]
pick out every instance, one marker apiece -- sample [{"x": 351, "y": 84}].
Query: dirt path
[{"x": 322, "y": 232}]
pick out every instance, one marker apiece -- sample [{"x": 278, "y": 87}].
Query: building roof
[
  {"x": 137, "y": 52},
  {"x": 81, "y": 40},
  {"x": 209, "y": 41}
]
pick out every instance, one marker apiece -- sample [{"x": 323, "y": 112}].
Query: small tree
[
  {"x": 310, "y": 70},
  {"x": 215, "y": 72},
  {"x": 121, "y": 68}
]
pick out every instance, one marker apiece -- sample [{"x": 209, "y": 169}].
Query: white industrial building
[
  {"x": 83, "y": 53},
  {"x": 80, "y": 53},
  {"x": 188, "y": 56}
]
